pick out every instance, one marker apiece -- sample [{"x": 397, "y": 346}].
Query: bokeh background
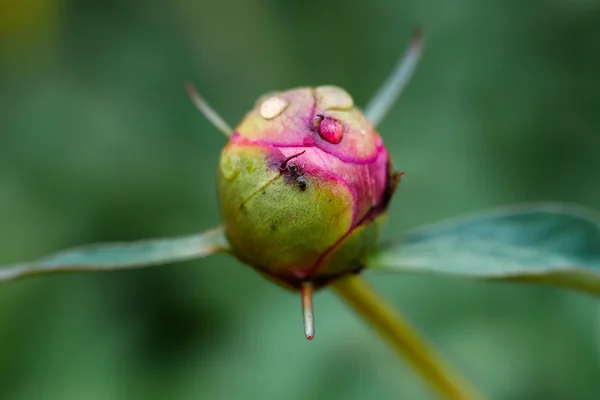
[{"x": 98, "y": 142}]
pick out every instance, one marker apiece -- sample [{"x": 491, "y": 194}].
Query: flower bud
[{"x": 303, "y": 185}]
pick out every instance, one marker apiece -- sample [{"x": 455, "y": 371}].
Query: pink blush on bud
[
  {"x": 308, "y": 141},
  {"x": 331, "y": 130}
]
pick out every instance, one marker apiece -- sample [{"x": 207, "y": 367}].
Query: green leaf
[
  {"x": 109, "y": 256},
  {"x": 550, "y": 243}
]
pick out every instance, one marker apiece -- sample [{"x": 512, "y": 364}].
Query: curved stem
[
  {"x": 403, "y": 338},
  {"x": 392, "y": 88},
  {"x": 211, "y": 115}
]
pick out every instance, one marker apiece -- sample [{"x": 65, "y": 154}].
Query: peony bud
[{"x": 304, "y": 183}]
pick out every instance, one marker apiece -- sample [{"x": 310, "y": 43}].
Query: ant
[
  {"x": 296, "y": 172},
  {"x": 300, "y": 179}
]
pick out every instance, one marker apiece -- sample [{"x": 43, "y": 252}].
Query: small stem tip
[
  {"x": 394, "y": 85},
  {"x": 208, "y": 111},
  {"x": 306, "y": 292}
]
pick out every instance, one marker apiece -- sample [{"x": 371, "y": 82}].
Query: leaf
[
  {"x": 557, "y": 244},
  {"x": 110, "y": 256}
]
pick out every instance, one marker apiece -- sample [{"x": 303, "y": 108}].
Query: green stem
[{"x": 403, "y": 338}]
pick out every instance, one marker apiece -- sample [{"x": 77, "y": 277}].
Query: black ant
[
  {"x": 296, "y": 172},
  {"x": 300, "y": 179}
]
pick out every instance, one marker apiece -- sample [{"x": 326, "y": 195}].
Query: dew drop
[
  {"x": 272, "y": 107},
  {"x": 331, "y": 130},
  {"x": 333, "y": 98},
  {"x": 230, "y": 165}
]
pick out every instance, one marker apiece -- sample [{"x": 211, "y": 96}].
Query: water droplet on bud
[
  {"x": 272, "y": 107},
  {"x": 331, "y": 130},
  {"x": 230, "y": 165},
  {"x": 333, "y": 98}
]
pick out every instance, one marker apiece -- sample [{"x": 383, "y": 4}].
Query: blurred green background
[{"x": 99, "y": 142}]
